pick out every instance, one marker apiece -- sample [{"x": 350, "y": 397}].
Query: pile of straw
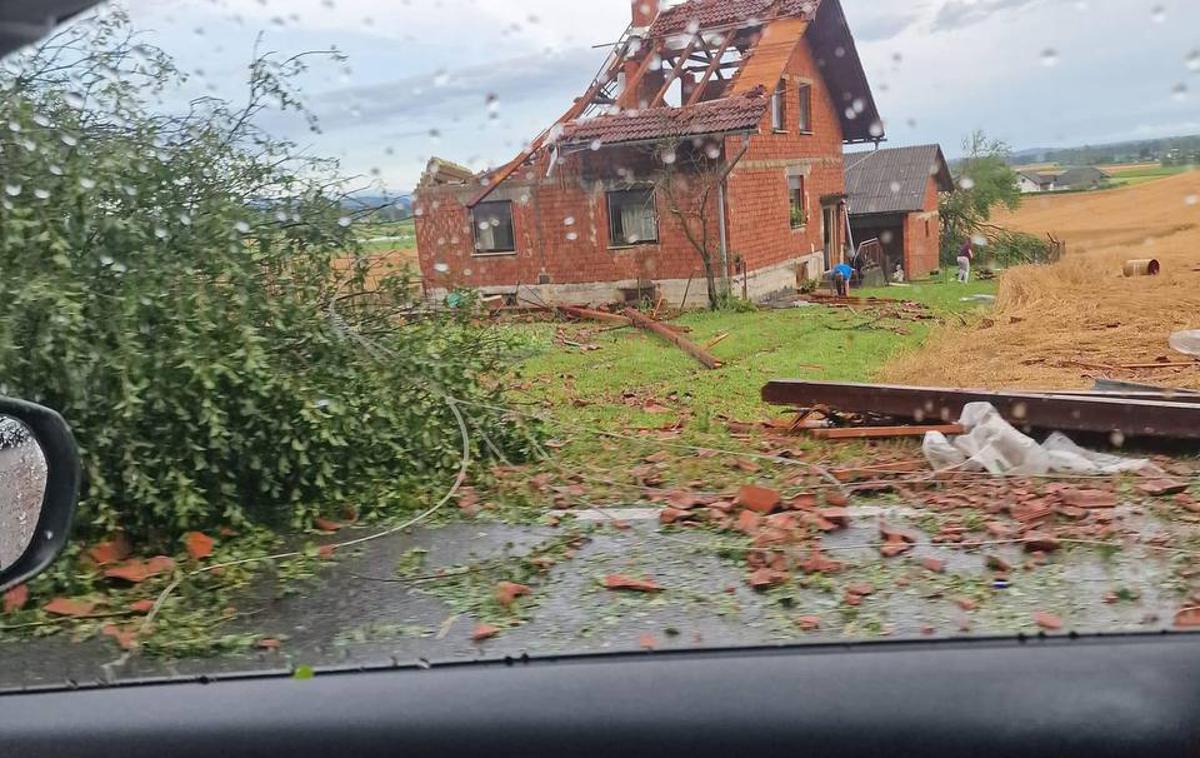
[{"x": 1061, "y": 326}]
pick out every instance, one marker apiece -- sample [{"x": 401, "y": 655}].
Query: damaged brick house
[{"x": 710, "y": 143}]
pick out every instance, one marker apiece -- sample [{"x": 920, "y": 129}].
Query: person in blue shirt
[{"x": 842, "y": 274}]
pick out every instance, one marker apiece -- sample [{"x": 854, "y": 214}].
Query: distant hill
[
  {"x": 390, "y": 207},
  {"x": 1170, "y": 151}
]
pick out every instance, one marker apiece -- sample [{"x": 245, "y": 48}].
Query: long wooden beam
[
  {"x": 713, "y": 65},
  {"x": 662, "y": 91},
  {"x": 628, "y": 97},
  {"x": 691, "y": 348},
  {"x": 1124, "y": 418}
]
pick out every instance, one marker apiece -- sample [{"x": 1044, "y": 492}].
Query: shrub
[{"x": 183, "y": 289}]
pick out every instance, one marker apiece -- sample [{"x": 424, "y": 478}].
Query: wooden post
[{"x": 683, "y": 343}]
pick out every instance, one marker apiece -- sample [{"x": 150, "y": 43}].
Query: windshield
[{"x": 437, "y": 331}]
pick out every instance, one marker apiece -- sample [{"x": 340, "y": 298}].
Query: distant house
[
  {"x": 1086, "y": 178},
  {"x": 892, "y": 196},
  {"x": 1036, "y": 181}
]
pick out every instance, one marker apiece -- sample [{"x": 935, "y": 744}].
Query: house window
[
  {"x": 799, "y": 201},
  {"x": 494, "y": 228},
  {"x": 777, "y": 107},
  {"x": 926, "y": 227},
  {"x": 631, "y": 217},
  {"x": 805, "y": 114}
]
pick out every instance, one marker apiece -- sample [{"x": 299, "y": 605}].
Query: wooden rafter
[
  {"x": 628, "y": 98},
  {"x": 713, "y": 67},
  {"x": 662, "y": 91}
]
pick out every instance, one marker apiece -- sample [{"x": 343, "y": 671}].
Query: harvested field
[{"x": 1061, "y": 326}]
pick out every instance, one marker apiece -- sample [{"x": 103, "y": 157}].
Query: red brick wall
[
  {"x": 561, "y": 231},
  {"x": 758, "y": 201},
  {"x": 758, "y": 211},
  {"x": 922, "y": 236}
]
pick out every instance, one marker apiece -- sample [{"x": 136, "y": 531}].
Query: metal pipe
[{"x": 721, "y": 227}]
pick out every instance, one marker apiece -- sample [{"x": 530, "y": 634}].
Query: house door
[{"x": 829, "y": 222}]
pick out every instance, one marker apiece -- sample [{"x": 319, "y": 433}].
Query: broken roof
[
  {"x": 740, "y": 113},
  {"x": 894, "y": 180},
  {"x": 710, "y": 14}
]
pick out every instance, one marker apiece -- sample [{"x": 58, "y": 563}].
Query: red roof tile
[
  {"x": 732, "y": 114},
  {"x": 708, "y": 14}
]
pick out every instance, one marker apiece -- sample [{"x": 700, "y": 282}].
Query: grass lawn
[
  {"x": 1142, "y": 174},
  {"x": 384, "y": 238},
  {"x": 624, "y": 380}
]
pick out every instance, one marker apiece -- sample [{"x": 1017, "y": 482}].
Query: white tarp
[{"x": 992, "y": 444}]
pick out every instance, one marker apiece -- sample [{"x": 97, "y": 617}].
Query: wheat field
[{"x": 1063, "y": 325}]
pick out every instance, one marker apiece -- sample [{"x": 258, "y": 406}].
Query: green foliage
[
  {"x": 185, "y": 291},
  {"x": 1007, "y": 248},
  {"x": 985, "y": 181}
]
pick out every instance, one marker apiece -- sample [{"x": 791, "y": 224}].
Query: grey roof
[
  {"x": 1039, "y": 178},
  {"x": 894, "y": 180},
  {"x": 1083, "y": 175}
]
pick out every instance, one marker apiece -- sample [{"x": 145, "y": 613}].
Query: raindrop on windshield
[{"x": 1049, "y": 57}]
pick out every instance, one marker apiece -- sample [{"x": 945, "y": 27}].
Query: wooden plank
[
  {"x": 593, "y": 315},
  {"x": 683, "y": 343},
  {"x": 884, "y": 432},
  {"x": 1175, "y": 419}
]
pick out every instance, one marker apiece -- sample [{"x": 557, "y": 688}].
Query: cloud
[
  {"x": 956, "y": 14},
  {"x": 883, "y": 27},
  {"x": 464, "y": 93}
]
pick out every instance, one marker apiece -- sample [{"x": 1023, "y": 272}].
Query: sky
[{"x": 472, "y": 80}]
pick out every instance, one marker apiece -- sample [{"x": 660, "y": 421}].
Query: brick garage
[
  {"x": 758, "y": 130},
  {"x": 892, "y": 196}
]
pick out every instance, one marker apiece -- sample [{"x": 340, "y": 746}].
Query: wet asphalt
[{"x": 354, "y": 613}]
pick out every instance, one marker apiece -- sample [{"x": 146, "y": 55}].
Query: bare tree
[{"x": 689, "y": 178}]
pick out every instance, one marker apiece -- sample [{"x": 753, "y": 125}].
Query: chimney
[{"x": 644, "y": 13}]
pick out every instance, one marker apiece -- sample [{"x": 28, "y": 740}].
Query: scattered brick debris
[
  {"x": 837, "y": 499},
  {"x": 622, "y": 582},
  {"x": 839, "y": 517},
  {"x": 809, "y": 623},
  {"x": 1048, "y": 621},
  {"x": 484, "y": 632},
  {"x": 1161, "y": 487},
  {"x": 966, "y": 603},
  {"x": 508, "y": 592},
  {"x": 996, "y": 563},
  {"x": 1039, "y": 542},
  {"x": 758, "y": 499},
  {"x": 748, "y": 522},
  {"x": 765, "y": 578},
  {"x": 112, "y": 551},
  {"x": 805, "y": 501},
  {"x": 1188, "y": 617},
  {"x": 139, "y": 571},
  {"x": 15, "y": 599},
  {"x": 65, "y": 606},
  {"x": 1085, "y": 498},
  {"x": 936, "y": 565}
]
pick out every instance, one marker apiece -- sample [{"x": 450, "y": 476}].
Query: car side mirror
[{"x": 39, "y": 489}]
